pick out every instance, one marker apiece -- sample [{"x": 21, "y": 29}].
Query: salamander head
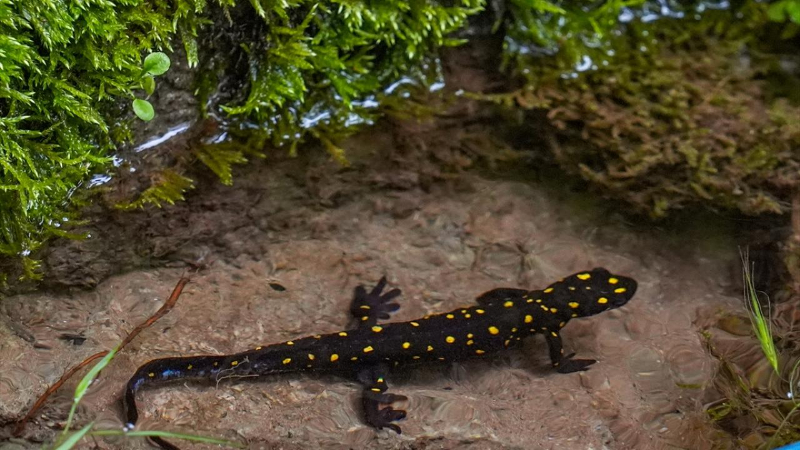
[{"x": 591, "y": 292}]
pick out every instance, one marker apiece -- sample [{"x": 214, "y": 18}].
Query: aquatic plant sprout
[{"x": 762, "y": 326}]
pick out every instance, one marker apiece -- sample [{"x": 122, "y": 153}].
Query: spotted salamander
[{"x": 369, "y": 350}]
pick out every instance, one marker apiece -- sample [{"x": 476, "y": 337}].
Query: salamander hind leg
[
  {"x": 378, "y": 411},
  {"x": 367, "y": 308}
]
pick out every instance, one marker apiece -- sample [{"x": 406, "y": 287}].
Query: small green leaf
[
  {"x": 156, "y": 63},
  {"x": 149, "y": 84},
  {"x": 143, "y": 110}
]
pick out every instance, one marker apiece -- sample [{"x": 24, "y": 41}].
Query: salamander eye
[{"x": 610, "y": 289}]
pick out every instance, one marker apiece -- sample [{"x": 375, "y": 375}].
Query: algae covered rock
[{"x": 677, "y": 114}]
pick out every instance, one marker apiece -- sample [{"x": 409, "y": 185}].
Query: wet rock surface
[{"x": 319, "y": 237}]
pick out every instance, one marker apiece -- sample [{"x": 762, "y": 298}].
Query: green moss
[
  {"x": 673, "y": 116},
  {"x": 65, "y": 63},
  {"x": 652, "y": 109},
  {"x": 168, "y": 188}
]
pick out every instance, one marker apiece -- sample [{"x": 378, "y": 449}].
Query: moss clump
[
  {"x": 61, "y": 65},
  {"x": 677, "y": 115},
  {"x": 65, "y": 63}
]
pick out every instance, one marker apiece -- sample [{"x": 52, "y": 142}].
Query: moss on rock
[
  {"x": 309, "y": 67},
  {"x": 678, "y": 113}
]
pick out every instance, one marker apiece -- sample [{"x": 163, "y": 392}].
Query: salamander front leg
[
  {"x": 367, "y": 308},
  {"x": 565, "y": 364},
  {"x": 376, "y": 402}
]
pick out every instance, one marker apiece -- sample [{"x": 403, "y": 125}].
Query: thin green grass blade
[
  {"x": 73, "y": 438},
  {"x": 168, "y": 434},
  {"x": 83, "y": 385}
]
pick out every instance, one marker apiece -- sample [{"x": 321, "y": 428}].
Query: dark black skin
[{"x": 368, "y": 351}]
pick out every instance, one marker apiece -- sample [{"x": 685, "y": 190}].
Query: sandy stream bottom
[{"x": 442, "y": 247}]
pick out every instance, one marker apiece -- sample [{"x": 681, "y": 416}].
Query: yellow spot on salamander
[
  {"x": 287, "y": 360},
  {"x": 406, "y": 344},
  {"x": 470, "y": 342},
  {"x": 289, "y": 343},
  {"x": 561, "y": 325},
  {"x": 514, "y": 330},
  {"x": 375, "y": 390},
  {"x": 467, "y": 316},
  {"x": 334, "y": 357},
  {"x": 234, "y": 363},
  {"x": 368, "y": 349},
  {"x": 354, "y": 358},
  {"x": 377, "y": 329},
  {"x": 530, "y": 300},
  {"x": 415, "y": 357},
  {"x": 574, "y": 315},
  {"x": 479, "y": 352},
  {"x": 508, "y": 304},
  {"x": 554, "y": 334},
  {"x": 216, "y": 364},
  {"x": 364, "y": 306},
  {"x": 548, "y": 290},
  {"x": 619, "y": 290},
  {"x": 543, "y": 307},
  {"x": 189, "y": 367},
  {"x": 430, "y": 349},
  {"x": 553, "y": 310},
  {"x": 507, "y": 342},
  {"x": 414, "y": 324},
  {"x": 450, "y": 339},
  {"x": 573, "y": 305},
  {"x": 470, "y": 335},
  {"x": 528, "y": 318},
  {"x": 493, "y": 330},
  {"x": 450, "y": 316},
  {"x": 379, "y": 380},
  {"x": 365, "y": 318},
  {"x": 480, "y": 311},
  {"x": 310, "y": 356},
  {"x": 151, "y": 374},
  {"x": 258, "y": 348},
  {"x": 317, "y": 336},
  {"x": 342, "y": 334},
  {"x": 583, "y": 276},
  {"x": 602, "y": 300},
  {"x": 538, "y": 300},
  {"x": 463, "y": 311},
  {"x": 613, "y": 280}
]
